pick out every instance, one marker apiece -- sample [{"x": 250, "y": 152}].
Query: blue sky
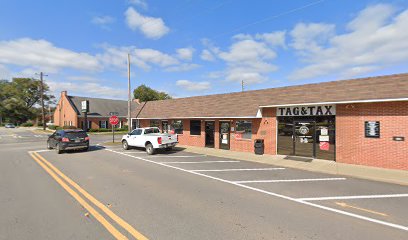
[{"x": 197, "y": 47}]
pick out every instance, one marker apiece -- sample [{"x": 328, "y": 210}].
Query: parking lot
[{"x": 210, "y": 192}]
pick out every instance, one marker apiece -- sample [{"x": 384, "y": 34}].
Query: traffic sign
[{"x": 114, "y": 120}]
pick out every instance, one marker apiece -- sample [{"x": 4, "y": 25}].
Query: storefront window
[
  {"x": 154, "y": 123},
  {"x": 176, "y": 127},
  {"x": 243, "y": 130},
  {"x": 195, "y": 127}
]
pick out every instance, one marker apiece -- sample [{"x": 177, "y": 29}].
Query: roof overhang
[
  {"x": 221, "y": 117},
  {"x": 338, "y": 102}
]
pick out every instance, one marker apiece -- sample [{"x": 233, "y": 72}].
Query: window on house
[
  {"x": 195, "y": 127},
  {"x": 177, "y": 126},
  {"x": 243, "y": 129},
  {"x": 103, "y": 124},
  {"x": 154, "y": 123}
]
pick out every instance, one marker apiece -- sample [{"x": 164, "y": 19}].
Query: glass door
[
  {"x": 304, "y": 138},
  {"x": 225, "y": 135},
  {"x": 165, "y": 126},
  {"x": 209, "y": 133}
]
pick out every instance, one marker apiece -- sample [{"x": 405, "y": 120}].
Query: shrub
[
  {"x": 27, "y": 124},
  {"x": 52, "y": 127},
  {"x": 69, "y": 127}
]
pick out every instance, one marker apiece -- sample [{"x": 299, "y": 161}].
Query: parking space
[{"x": 373, "y": 201}]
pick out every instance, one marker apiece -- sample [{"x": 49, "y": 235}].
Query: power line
[{"x": 270, "y": 18}]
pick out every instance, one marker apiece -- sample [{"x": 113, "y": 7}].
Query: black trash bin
[{"x": 259, "y": 146}]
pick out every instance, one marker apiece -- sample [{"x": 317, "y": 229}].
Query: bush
[
  {"x": 52, "y": 127},
  {"x": 27, "y": 124},
  {"x": 69, "y": 127}
]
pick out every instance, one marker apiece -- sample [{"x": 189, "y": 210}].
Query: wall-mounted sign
[
  {"x": 372, "y": 129},
  {"x": 316, "y": 110},
  {"x": 85, "y": 106},
  {"x": 325, "y": 146}
]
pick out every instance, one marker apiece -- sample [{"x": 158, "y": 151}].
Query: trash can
[{"x": 259, "y": 146}]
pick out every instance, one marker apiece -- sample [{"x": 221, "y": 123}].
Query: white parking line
[
  {"x": 373, "y": 220},
  {"x": 203, "y": 162},
  {"x": 237, "y": 169},
  {"x": 291, "y": 180},
  {"x": 354, "y": 197},
  {"x": 169, "y": 156}
]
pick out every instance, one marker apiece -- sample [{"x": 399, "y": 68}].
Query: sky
[{"x": 199, "y": 47}]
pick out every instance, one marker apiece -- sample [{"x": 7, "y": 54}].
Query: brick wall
[
  {"x": 64, "y": 112},
  {"x": 354, "y": 148}
]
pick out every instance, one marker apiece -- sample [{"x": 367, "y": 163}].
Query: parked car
[
  {"x": 9, "y": 125},
  {"x": 149, "y": 138},
  {"x": 68, "y": 139}
]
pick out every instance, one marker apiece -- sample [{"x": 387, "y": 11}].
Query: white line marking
[
  {"x": 44, "y": 150},
  {"x": 135, "y": 152},
  {"x": 238, "y": 169},
  {"x": 204, "y": 162},
  {"x": 292, "y": 180},
  {"x": 354, "y": 197},
  {"x": 168, "y": 156},
  {"x": 393, "y": 225}
]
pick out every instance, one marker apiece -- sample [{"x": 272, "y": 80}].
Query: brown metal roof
[{"x": 246, "y": 104}]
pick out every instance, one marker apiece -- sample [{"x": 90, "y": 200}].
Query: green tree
[
  {"x": 20, "y": 99},
  {"x": 145, "y": 93}
]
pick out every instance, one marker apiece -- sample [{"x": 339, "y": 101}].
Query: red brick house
[
  {"x": 68, "y": 112},
  {"x": 359, "y": 121}
]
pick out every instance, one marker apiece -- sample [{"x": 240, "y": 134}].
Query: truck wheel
[
  {"x": 125, "y": 145},
  {"x": 149, "y": 149}
]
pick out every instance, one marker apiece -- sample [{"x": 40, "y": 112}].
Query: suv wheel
[
  {"x": 59, "y": 150},
  {"x": 49, "y": 145},
  {"x": 149, "y": 149}
]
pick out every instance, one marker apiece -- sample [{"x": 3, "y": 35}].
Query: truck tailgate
[{"x": 169, "y": 139}]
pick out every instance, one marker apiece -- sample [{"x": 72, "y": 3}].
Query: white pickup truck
[{"x": 149, "y": 138}]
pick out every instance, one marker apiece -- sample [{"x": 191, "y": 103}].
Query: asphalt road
[{"x": 109, "y": 193}]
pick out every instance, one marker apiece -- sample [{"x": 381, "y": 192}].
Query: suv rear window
[{"x": 75, "y": 134}]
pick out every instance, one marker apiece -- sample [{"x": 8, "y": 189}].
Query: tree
[
  {"x": 20, "y": 99},
  {"x": 145, "y": 93}
]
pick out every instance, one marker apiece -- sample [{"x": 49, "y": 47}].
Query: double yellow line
[{"x": 69, "y": 184}]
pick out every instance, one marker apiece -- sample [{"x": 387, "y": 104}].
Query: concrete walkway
[{"x": 316, "y": 165}]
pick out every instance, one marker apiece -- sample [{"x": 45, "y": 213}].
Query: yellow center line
[
  {"x": 342, "y": 204},
  {"x": 97, "y": 203},
  {"x": 75, "y": 195}
]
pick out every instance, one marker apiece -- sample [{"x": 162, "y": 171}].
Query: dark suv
[{"x": 68, "y": 139}]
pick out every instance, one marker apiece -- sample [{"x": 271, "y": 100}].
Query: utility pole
[
  {"x": 42, "y": 98},
  {"x": 129, "y": 95},
  {"x": 242, "y": 85}
]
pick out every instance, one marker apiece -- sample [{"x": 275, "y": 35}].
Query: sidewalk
[{"x": 316, "y": 165}]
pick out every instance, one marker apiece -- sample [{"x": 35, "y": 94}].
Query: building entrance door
[
  {"x": 225, "y": 135},
  {"x": 209, "y": 133},
  {"x": 165, "y": 126},
  {"x": 304, "y": 139}
]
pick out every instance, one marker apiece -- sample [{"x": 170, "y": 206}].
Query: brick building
[
  {"x": 360, "y": 121},
  {"x": 68, "y": 112}
]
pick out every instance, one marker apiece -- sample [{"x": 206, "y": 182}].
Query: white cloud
[
  {"x": 144, "y": 58},
  {"x": 248, "y": 60},
  {"x": 274, "y": 39},
  {"x": 4, "y": 73},
  {"x": 185, "y": 53},
  {"x": 140, "y": 3},
  {"x": 87, "y": 89},
  {"x": 206, "y": 55},
  {"x": 103, "y": 21},
  {"x": 184, "y": 67},
  {"x": 151, "y": 27},
  {"x": 193, "y": 86},
  {"x": 375, "y": 38},
  {"x": 42, "y": 54},
  {"x": 84, "y": 79}
]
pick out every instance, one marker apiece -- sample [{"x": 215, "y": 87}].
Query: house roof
[
  {"x": 99, "y": 106},
  {"x": 246, "y": 104}
]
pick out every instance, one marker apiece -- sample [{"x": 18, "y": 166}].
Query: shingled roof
[
  {"x": 100, "y": 106},
  {"x": 246, "y": 104}
]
